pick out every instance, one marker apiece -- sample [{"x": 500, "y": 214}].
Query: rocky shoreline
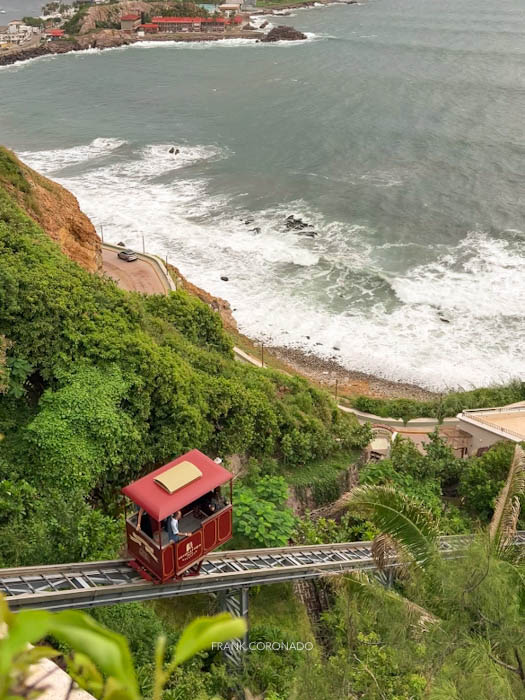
[
  {"x": 106, "y": 39},
  {"x": 349, "y": 382},
  {"x": 112, "y": 38}
]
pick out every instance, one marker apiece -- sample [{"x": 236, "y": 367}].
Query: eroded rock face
[
  {"x": 105, "y": 39},
  {"x": 54, "y": 47},
  {"x": 282, "y": 33},
  {"x": 57, "y": 211},
  {"x": 219, "y": 305}
]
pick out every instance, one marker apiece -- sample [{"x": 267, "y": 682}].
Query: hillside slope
[
  {"x": 54, "y": 208},
  {"x": 105, "y": 384}
]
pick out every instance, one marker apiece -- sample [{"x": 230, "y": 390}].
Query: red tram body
[{"x": 178, "y": 485}]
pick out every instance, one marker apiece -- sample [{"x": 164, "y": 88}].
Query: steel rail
[{"x": 90, "y": 584}]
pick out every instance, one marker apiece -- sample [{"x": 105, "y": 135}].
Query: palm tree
[{"x": 472, "y": 605}]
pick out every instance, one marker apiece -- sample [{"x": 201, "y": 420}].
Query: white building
[
  {"x": 230, "y": 9},
  {"x": 19, "y": 33},
  {"x": 487, "y": 426}
]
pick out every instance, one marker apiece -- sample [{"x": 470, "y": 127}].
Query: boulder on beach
[{"x": 282, "y": 33}]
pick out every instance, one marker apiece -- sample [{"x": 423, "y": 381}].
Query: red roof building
[
  {"x": 149, "y": 28},
  {"x": 130, "y": 22},
  {"x": 55, "y": 33},
  {"x": 177, "y": 24}
]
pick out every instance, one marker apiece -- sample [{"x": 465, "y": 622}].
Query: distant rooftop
[{"x": 507, "y": 421}]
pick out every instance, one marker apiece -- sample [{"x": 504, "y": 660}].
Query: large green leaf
[
  {"x": 107, "y": 649},
  {"x": 406, "y": 521},
  {"x": 24, "y": 628},
  {"x": 204, "y": 631}
]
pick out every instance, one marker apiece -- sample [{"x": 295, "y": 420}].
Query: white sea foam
[
  {"x": 49, "y": 161},
  {"x": 452, "y": 322},
  {"x": 25, "y": 63},
  {"x": 472, "y": 281}
]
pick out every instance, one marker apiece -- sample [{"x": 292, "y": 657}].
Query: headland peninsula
[{"x": 66, "y": 28}]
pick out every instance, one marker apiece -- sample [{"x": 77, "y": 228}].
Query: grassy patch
[
  {"x": 321, "y": 470},
  {"x": 323, "y": 477},
  {"x": 11, "y": 173},
  {"x": 277, "y": 605}
]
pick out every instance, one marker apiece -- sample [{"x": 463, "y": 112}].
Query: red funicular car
[{"x": 192, "y": 484}]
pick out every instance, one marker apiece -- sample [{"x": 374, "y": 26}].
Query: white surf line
[{"x": 362, "y": 417}]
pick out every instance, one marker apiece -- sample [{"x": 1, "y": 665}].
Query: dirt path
[{"x": 138, "y": 276}]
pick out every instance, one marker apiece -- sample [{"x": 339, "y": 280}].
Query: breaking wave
[{"x": 453, "y": 322}]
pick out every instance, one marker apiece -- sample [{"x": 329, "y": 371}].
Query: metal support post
[{"x": 235, "y": 601}]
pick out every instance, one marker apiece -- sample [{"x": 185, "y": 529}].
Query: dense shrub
[
  {"x": 448, "y": 405},
  {"x": 483, "y": 477},
  {"x": 261, "y": 515}
]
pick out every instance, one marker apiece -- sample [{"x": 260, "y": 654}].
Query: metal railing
[{"x": 84, "y": 585}]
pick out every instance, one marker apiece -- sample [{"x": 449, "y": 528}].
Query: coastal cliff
[{"x": 54, "y": 208}]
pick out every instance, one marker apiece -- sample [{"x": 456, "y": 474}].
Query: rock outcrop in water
[{"x": 282, "y": 33}]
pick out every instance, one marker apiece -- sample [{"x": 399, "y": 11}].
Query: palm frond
[
  {"x": 503, "y": 525},
  {"x": 360, "y": 584},
  {"x": 383, "y": 550},
  {"x": 406, "y": 521}
]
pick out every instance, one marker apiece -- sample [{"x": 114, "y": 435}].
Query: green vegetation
[
  {"x": 261, "y": 516},
  {"x": 104, "y": 385},
  {"x": 99, "y": 386},
  {"x": 73, "y": 25},
  {"x": 447, "y": 628},
  {"x": 180, "y": 8},
  {"x": 33, "y": 21},
  {"x": 11, "y": 174},
  {"x": 108, "y": 24},
  {"x": 323, "y": 479},
  {"x": 447, "y": 405},
  {"x": 99, "y": 659}
]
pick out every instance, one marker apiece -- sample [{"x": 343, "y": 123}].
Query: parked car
[{"x": 128, "y": 255}]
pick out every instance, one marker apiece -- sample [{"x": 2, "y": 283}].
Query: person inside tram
[
  {"x": 208, "y": 504},
  {"x": 174, "y": 533},
  {"x": 216, "y": 501},
  {"x": 144, "y": 523}
]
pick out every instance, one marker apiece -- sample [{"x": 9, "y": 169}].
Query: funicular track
[{"x": 85, "y": 585}]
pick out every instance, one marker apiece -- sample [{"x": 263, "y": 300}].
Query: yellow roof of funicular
[{"x": 177, "y": 477}]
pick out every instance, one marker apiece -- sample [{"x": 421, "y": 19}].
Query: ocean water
[
  {"x": 16, "y": 9},
  {"x": 396, "y": 130}
]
